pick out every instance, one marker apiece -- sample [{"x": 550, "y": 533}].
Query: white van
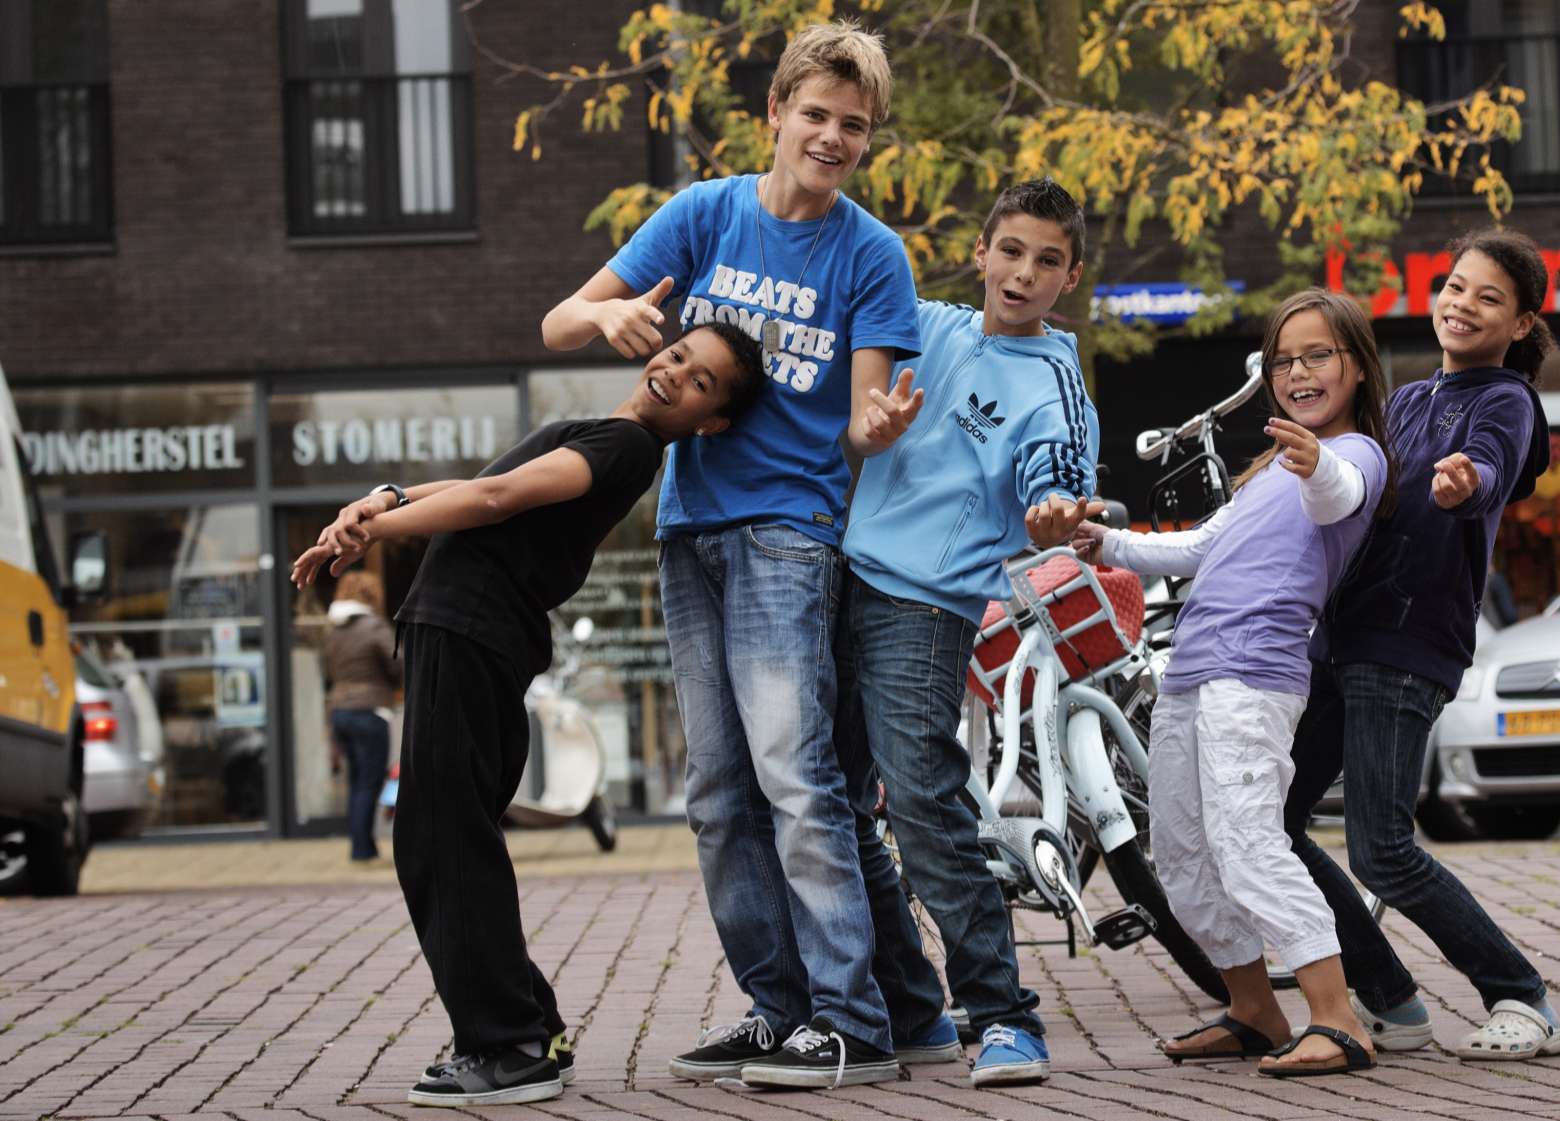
[{"x": 43, "y": 833}]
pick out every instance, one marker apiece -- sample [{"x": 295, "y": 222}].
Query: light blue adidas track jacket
[{"x": 1005, "y": 422}]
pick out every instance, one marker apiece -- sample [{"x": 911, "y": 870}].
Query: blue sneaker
[
  {"x": 937, "y": 1044},
  {"x": 1010, "y": 1055}
]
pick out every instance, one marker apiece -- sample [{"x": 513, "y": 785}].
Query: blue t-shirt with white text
[{"x": 781, "y": 461}]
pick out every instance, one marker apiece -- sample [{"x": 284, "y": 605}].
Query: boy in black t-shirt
[{"x": 508, "y": 546}]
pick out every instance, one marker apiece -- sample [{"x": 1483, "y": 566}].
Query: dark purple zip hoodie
[{"x": 1412, "y": 593}]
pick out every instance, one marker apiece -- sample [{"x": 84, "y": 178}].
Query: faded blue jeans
[
  {"x": 902, "y": 666},
  {"x": 750, "y": 620},
  {"x": 1372, "y": 723},
  {"x": 364, "y": 739}
]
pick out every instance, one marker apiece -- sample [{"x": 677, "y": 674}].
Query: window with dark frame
[
  {"x": 55, "y": 170},
  {"x": 378, "y": 117},
  {"x": 1515, "y": 43},
  {"x": 750, "y": 78}
]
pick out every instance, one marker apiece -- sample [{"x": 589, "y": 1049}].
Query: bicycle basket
[{"x": 1070, "y": 598}]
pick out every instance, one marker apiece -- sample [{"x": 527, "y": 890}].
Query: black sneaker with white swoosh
[{"x": 505, "y": 1077}]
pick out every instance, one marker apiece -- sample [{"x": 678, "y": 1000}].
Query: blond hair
[
  {"x": 840, "y": 50},
  {"x": 363, "y": 586}
]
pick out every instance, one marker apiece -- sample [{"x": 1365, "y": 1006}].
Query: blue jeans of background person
[
  {"x": 750, "y": 621},
  {"x": 902, "y": 666},
  {"x": 1372, "y": 723},
  {"x": 364, "y": 738}
]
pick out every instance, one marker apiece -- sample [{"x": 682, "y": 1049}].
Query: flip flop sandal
[
  {"x": 1252, "y": 1042},
  {"x": 1354, "y": 1056},
  {"x": 1515, "y": 1031}
]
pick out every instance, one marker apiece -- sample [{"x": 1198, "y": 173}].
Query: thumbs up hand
[{"x": 632, "y": 326}]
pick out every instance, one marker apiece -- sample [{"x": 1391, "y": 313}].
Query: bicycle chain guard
[{"x": 1017, "y": 838}]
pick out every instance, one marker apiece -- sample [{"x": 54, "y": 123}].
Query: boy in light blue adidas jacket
[{"x": 1001, "y": 456}]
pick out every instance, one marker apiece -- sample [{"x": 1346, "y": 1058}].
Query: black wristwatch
[{"x": 400, "y": 495}]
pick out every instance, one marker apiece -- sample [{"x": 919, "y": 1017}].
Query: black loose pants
[{"x": 463, "y": 748}]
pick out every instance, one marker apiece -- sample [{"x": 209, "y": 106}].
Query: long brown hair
[
  {"x": 1519, "y": 258},
  {"x": 1351, "y": 332}
]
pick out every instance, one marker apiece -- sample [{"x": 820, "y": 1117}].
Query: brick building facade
[{"x": 221, "y": 278}]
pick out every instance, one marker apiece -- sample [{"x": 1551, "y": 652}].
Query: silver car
[
  {"x": 122, "y": 760},
  {"x": 1495, "y": 751}
]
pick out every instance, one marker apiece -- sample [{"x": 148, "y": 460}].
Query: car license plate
[{"x": 1528, "y": 723}]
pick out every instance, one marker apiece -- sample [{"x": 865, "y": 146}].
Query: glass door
[{"x": 319, "y": 783}]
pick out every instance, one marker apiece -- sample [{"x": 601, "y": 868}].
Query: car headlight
[{"x": 1472, "y": 683}]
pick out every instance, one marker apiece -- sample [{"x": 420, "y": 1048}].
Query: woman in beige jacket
[{"x": 362, "y": 674}]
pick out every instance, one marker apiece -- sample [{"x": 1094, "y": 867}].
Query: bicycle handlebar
[{"x": 1193, "y": 428}]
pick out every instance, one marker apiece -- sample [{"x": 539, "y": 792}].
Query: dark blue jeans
[
  {"x": 1372, "y": 723},
  {"x": 901, "y": 673},
  {"x": 365, "y": 741}
]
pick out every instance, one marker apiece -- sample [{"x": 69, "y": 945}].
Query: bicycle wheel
[{"x": 1137, "y": 883}]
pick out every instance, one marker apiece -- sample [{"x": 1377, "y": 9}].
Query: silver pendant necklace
[{"x": 769, "y": 334}]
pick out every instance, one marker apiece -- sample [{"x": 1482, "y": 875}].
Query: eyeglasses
[{"x": 1311, "y": 360}]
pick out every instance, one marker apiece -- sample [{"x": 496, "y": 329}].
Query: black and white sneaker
[
  {"x": 723, "y": 1050},
  {"x": 819, "y": 1057},
  {"x": 505, "y": 1077}
]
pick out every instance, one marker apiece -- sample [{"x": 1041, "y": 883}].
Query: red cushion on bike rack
[{"x": 1098, "y": 646}]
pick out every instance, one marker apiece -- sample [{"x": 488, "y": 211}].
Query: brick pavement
[{"x": 309, "y": 1002}]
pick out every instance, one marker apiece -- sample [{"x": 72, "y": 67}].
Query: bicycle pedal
[{"x": 1120, "y": 929}]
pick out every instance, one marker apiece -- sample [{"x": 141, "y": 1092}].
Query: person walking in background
[{"x": 362, "y": 675}]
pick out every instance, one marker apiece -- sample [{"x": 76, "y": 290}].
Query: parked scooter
[{"x": 565, "y": 778}]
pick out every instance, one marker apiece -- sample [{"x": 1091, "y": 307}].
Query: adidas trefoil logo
[{"x": 979, "y": 417}]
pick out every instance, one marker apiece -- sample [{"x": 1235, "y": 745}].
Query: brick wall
[{"x": 204, "y": 279}]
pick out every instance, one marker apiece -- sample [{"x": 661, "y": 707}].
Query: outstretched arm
[
  {"x": 1166, "y": 554},
  {"x": 558, "y": 476}
]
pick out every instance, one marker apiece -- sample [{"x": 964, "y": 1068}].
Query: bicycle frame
[{"x": 1066, "y": 716}]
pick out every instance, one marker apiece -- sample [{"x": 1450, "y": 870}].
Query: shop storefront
[{"x": 207, "y": 490}]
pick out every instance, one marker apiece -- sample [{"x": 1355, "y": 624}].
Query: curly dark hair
[
  {"x": 1519, "y": 258},
  {"x": 750, "y": 379}
]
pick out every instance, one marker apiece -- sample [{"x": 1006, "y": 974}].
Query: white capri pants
[{"x": 1218, "y": 773}]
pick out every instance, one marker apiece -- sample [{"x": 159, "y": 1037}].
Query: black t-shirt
[{"x": 496, "y": 583}]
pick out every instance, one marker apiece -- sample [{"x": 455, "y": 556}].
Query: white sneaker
[
  {"x": 1388, "y": 1036},
  {"x": 1515, "y": 1031}
]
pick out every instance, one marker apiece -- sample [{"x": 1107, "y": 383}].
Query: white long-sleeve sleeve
[
  {"x": 1334, "y": 491},
  {"x": 1164, "y": 554}
]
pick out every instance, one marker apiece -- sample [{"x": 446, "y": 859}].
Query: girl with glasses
[{"x": 1219, "y": 755}]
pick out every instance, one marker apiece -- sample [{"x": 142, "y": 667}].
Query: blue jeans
[
  {"x": 750, "y": 620},
  {"x": 365, "y": 741},
  {"x": 902, "y": 666},
  {"x": 1372, "y": 723}
]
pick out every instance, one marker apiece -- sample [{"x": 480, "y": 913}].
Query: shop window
[
  {"x": 378, "y": 117},
  {"x": 360, "y": 438},
  {"x": 55, "y": 172},
  {"x": 181, "y": 626},
  {"x": 621, "y": 668},
  {"x": 1512, "y": 43},
  {"x": 138, "y": 439}
]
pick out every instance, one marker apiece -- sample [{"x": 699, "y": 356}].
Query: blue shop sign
[{"x": 1167, "y": 303}]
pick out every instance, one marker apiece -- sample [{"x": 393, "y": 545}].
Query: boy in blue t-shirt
[
  {"x": 749, "y": 525},
  {"x": 1003, "y": 457}
]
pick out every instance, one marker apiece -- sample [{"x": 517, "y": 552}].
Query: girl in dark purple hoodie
[{"x": 1392, "y": 647}]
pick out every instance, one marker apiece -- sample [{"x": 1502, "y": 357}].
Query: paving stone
[{"x": 274, "y": 982}]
